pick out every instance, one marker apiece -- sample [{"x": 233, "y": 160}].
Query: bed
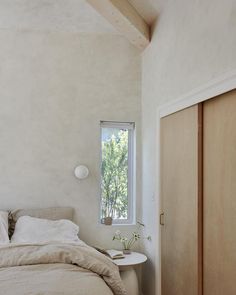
[{"x": 71, "y": 268}]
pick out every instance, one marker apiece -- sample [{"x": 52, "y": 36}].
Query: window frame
[{"x": 130, "y": 126}]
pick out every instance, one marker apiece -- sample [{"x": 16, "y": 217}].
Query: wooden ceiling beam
[{"x": 123, "y": 16}]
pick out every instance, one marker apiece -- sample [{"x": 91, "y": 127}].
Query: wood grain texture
[
  {"x": 181, "y": 201},
  {"x": 200, "y": 199},
  {"x": 220, "y": 195},
  {"x": 123, "y": 16}
]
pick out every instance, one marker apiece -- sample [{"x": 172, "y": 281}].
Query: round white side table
[{"x": 127, "y": 271}]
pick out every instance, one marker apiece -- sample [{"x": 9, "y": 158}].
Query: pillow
[
  {"x": 36, "y": 230},
  {"x": 4, "y": 238},
  {"x": 53, "y": 213}
]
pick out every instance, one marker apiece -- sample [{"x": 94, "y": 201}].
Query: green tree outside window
[{"x": 114, "y": 171}]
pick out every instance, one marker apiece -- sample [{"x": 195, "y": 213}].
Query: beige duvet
[{"x": 56, "y": 269}]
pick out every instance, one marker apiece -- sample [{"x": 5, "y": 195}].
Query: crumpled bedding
[{"x": 57, "y": 268}]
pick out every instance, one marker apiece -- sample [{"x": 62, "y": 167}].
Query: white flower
[
  {"x": 123, "y": 240},
  {"x": 136, "y": 236},
  {"x": 118, "y": 232}
]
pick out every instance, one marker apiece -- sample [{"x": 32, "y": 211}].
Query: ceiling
[{"x": 63, "y": 15}]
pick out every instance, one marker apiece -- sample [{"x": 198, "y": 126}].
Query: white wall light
[{"x": 81, "y": 172}]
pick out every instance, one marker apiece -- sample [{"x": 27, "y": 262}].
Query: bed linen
[
  {"x": 4, "y": 239},
  {"x": 37, "y": 230},
  {"x": 52, "y": 213},
  {"x": 56, "y": 269}
]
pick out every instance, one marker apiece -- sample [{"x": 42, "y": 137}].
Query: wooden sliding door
[
  {"x": 220, "y": 195},
  {"x": 181, "y": 197}
]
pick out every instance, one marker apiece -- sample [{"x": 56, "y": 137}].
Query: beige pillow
[
  {"x": 54, "y": 213},
  {"x": 4, "y": 238}
]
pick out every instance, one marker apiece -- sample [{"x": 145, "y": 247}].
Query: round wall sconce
[{"x": 81, "y": 172}]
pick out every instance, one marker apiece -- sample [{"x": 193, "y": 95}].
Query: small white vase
[{"x": 127, "y": 251}]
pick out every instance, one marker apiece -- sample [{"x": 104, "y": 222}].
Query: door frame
[{"x": 217, "y": 86}]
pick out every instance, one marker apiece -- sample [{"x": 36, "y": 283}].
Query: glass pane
[{"x": 115, "y": 173}]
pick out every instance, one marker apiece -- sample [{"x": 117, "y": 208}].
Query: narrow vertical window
[{"x": 117, "y": 164}]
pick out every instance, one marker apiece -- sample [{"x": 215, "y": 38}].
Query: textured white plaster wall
[
  {"x": 54, "y": 90},
  {"x": 193, "y": 42}
]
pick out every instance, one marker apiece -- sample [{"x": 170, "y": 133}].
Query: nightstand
[{"x": 128, "y": 268}]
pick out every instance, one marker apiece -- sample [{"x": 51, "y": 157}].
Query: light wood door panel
[
  {"x": 181, "y": 198},
  {"x": 220, "y": 195}
]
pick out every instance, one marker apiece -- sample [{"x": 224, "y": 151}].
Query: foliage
[
  {"x": 129, "y": 242},
  {"x": 115, "y": 175},
  {"x": 126, "y": 242}
]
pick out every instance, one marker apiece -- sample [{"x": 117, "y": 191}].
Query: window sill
[{"x": 118, "y": 224}]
